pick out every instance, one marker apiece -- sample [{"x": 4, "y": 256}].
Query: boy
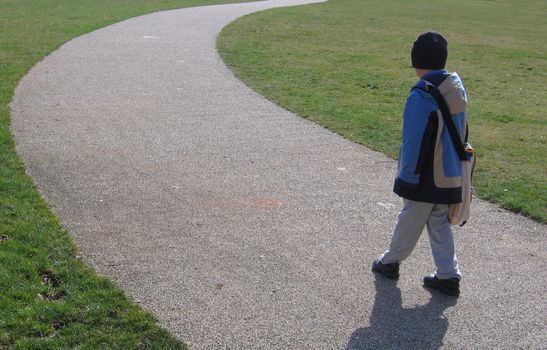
[{"x": 429, "y": 171}]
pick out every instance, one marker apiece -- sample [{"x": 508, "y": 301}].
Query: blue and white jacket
[{"x": 429, "y": 168}]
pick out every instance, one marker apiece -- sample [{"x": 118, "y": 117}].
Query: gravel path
[{"x": 239, "y": 224}]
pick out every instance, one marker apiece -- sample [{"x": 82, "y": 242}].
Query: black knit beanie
[{"x": 429, "y": 51}]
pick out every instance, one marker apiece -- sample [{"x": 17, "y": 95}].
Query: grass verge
[
  {"x": 345, "y": 64},
  {"x": 49, "y": 299}
]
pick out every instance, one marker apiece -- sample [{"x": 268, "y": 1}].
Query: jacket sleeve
[{"x": 415, "y": 120}]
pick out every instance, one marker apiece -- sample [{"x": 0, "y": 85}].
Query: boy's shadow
[{"x": 394, "y": 327}]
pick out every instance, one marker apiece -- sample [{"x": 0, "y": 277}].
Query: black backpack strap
[{"x": 447, "y": 118}]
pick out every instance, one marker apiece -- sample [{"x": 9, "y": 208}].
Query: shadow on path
[{"x": 395, "y": 327}]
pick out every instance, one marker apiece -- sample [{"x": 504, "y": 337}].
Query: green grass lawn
[
  {"x": 49, "y": 299},
  {"x": 345, "y": 64}
]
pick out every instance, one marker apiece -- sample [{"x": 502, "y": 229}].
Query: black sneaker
[
  {"x": 390, "y": 271},
  {"x": 446, "y": 286}
]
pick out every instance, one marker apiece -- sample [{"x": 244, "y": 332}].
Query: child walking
[{"x": 429, "y": 170}]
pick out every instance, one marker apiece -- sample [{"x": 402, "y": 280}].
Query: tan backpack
[{"x": 459, "y": 212}]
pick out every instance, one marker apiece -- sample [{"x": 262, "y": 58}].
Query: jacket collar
[{"x": 435, "y": 77}]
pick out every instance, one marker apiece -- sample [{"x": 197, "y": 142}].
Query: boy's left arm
[{"x": 415, "y": 120}]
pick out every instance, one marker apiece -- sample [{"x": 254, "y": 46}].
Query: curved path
[{"x": 240, "y": 225}]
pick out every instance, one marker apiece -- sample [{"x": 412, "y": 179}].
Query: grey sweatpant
[{"x": 412, "y": 219}]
